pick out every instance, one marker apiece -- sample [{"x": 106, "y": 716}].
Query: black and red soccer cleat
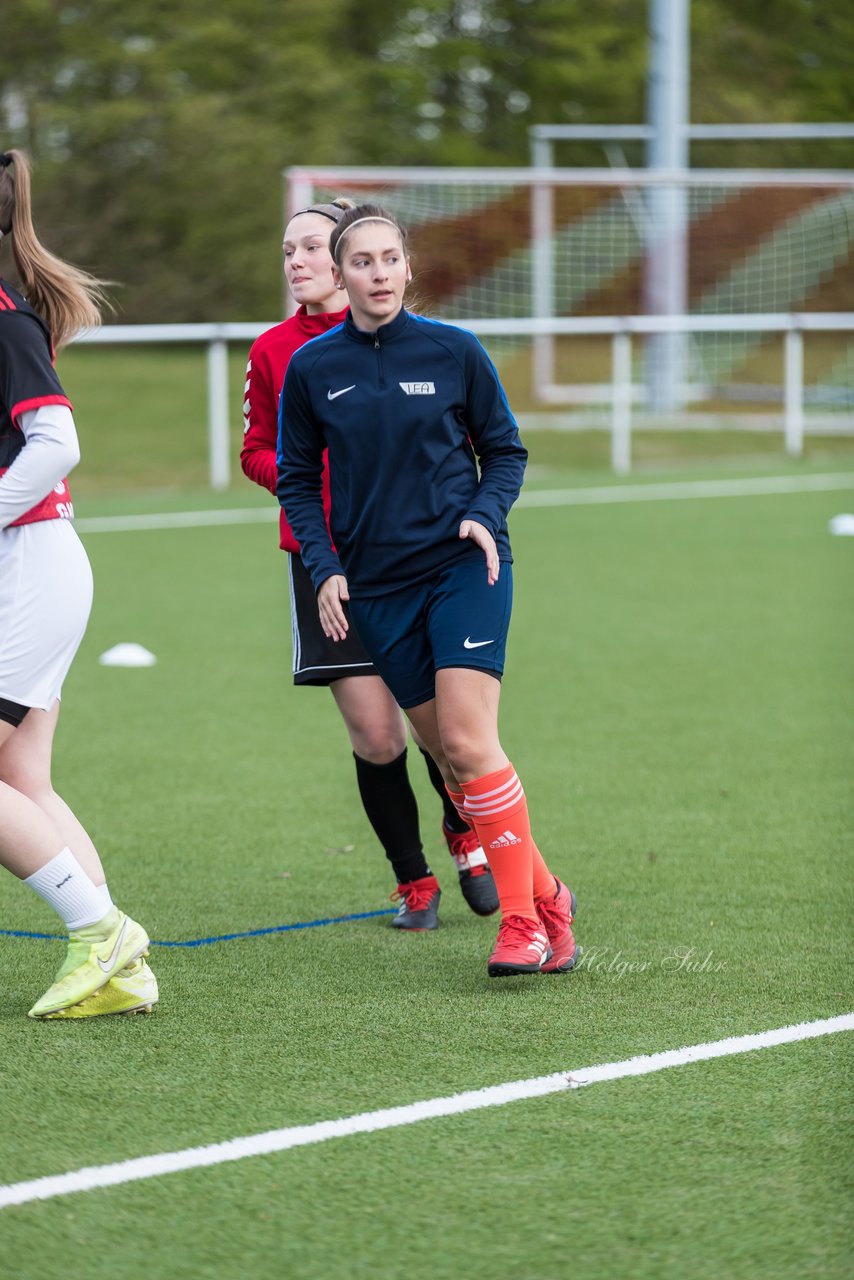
[
  {"x": 418, "y": 907},
  {"x": 476, "y": 882}
]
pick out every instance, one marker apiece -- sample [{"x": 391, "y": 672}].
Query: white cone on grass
[{"x": 127, "y": 655}]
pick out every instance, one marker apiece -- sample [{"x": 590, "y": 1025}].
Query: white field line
[
  {"x": 757, "y": 486},
  {"x": 176, "y": 520},
  {"x": 110, "y": 1175},
  {"x": 669, "y": 490}
]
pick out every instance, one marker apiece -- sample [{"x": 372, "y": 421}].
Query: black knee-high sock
[
  {"x": 393, "y": 813},
  {"x": 453, "y": 821}
]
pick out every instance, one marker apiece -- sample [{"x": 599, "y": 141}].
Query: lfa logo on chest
[{"x": 418, "y": 388}]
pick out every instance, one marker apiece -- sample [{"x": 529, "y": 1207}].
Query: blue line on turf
[
  {"x": 25, "y": 933},
  {"x": 224, "y": 937}
]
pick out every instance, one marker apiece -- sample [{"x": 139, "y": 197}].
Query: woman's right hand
[{"x": 330, "y": 600}]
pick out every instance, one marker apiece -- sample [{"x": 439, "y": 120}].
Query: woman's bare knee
[
  {"x": 374, "y": 722},
  {"x": 462, "y": 751},
  {"x": 26, "y": 772},
  {"x": 379, "y": 744}
]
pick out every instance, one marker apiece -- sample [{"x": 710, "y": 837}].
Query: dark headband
[
  {"x": 333, "y": 212},
  {"x": 6, "y": 160}
]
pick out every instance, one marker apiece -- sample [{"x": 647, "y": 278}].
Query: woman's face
[
  {"x": 374, "y": 269},
  {"x": 308, "y": 264}
]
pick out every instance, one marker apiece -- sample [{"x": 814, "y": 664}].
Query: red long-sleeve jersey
[{"x": 265, "y": 373}]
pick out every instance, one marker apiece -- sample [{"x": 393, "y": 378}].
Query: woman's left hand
[
  {"x": 330, "y": 605},
  {"x": 482, "y": 538}
]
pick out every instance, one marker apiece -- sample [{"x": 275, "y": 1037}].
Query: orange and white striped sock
[
  {"x": 496, "y": 807},
  {"x": 545, "y": 885},
  {"x": 458, "y": 800}
]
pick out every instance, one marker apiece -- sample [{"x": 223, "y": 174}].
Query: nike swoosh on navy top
[
  {"x": 468, "y": 643},
  {"x": 333, "y": 395}
]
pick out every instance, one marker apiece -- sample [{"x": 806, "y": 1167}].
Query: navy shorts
[{"x": 453, "y": 619}]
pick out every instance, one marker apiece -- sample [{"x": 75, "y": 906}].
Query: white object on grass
[
  {"x": 842, "y": 524},
  {"x": 127, "y": 655}
]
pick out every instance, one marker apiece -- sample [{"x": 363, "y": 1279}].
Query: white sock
[
  {"x": 105, "y": 894},
  {"x": 65, "y": 886}
]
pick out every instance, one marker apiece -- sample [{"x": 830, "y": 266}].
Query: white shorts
[{"x": 45, "y": 601}]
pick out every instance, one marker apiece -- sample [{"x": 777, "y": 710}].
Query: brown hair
[
  {"x": 360, "y": 213},
  {"x": 65, "y": 297}
]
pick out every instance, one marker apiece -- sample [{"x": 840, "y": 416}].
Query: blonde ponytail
[{"x": 66, "y": 298}]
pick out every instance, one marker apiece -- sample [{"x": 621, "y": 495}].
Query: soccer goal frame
[{"x": 654, "y": 202}]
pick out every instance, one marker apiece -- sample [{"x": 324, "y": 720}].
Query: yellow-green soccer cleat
[
  {"x": 95, "y": 955},
  {"x": 132, "y": 990}
]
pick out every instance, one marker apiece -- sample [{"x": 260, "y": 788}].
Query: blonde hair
[{"x": 66, "y": 298}]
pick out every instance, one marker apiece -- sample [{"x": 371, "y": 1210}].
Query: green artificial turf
[{"x": 678, "y": 703}]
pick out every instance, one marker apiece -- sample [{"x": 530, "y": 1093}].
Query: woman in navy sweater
[
  {"x": 421, "y": 554},
  {"x": 376, "y": 728}
]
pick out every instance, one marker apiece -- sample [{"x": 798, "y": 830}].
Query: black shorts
[
  {"x": 316, "y": 659},
  {"x": 12, "y": 712}
]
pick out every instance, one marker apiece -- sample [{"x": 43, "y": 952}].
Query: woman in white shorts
[{"x": 45, "y": 599}]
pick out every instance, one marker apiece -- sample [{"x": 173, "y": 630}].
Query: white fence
[{"x": 621, "y": 329}]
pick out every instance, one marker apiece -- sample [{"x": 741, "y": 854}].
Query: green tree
[
  {"x": 160, "y": 130},
  {"x": 461, "y": 81}
]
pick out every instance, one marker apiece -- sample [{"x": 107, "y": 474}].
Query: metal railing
[{"x": 621, "y": 329}]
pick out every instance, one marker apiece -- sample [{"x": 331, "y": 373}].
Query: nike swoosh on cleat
[
  {"x": 333, "y": 395},
  {"x": 468, "y": 643},
  {"x": 106, "y": 965}
]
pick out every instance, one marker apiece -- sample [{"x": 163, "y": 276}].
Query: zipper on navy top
[{"x": 379, "y": 351}]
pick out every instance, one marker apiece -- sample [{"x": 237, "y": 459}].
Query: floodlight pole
[
  {"x": 543, "y": 267},
  {"x": 665, "y": 283}
]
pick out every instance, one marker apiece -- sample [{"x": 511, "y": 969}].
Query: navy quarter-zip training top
[{"x": 403, "y": 412}]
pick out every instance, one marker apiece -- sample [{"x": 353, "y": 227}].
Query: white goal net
[{"x": 544, "y": 263}]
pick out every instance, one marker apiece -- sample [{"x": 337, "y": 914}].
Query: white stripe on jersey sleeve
[{"x": 50, "y": 452}]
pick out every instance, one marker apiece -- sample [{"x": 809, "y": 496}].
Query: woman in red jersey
[
  {"x": 45, "y": 598},
  {"x": 374, "y": 722}
]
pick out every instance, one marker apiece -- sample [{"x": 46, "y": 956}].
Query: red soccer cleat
[
  {"x": 521, "y": 947},
  {"x": 556, "y": 915}
]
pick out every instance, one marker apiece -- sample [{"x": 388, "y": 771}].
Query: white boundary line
[
  {"x": 177, "y": 520},
  {"x": 756, "y": 487},
  {"x": 110, "y": 1175},
  {"x": 675, "y": 489}
]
